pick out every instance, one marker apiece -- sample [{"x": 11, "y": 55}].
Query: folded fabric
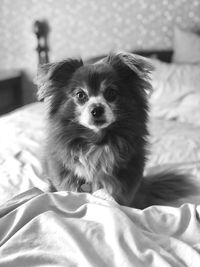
[
  {"x": 186, "y": 46},
  {"x": 79, "y": 229},
  {"x": 176, "y": 92}
]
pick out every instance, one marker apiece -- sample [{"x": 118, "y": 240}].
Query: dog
[{"x": 97, "y": 130}]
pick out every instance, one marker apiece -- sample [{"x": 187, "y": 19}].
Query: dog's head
[{"x": 96, "y": 96}]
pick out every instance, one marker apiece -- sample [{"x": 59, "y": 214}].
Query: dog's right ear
[{"x": 53, "y": 76}]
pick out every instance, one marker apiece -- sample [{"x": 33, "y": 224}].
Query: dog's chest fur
[{"x": 93, "y": 163}]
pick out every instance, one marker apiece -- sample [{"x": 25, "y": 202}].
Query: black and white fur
[{"x": 97, "y": 130}]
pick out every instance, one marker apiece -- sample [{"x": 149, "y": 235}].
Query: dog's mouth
[{"x": 99, "y": 122}]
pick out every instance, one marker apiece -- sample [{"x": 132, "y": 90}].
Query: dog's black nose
[{"x": 97, "y": 112}]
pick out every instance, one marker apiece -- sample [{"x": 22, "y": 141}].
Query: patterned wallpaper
[{"x": 90, "y": 27}]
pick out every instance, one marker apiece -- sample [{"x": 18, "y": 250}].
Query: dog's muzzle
[{"x": 97, "y": 114}]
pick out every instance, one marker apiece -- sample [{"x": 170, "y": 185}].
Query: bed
[{"x": 38, "y": 228}]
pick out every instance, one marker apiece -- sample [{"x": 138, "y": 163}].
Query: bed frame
[
  {"x": 41, "y": 30},
  {"x": 163, "y": 55}
]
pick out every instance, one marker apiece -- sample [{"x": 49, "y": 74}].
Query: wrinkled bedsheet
[
  {"x": 22, "y": 132},
  {"x": 79, "y": 229}
]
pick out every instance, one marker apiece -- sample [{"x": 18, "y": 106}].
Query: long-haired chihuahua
[{"x": 97, "y": 130}]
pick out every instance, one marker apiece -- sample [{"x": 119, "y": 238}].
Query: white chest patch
[{"x": 98, "y": 161}]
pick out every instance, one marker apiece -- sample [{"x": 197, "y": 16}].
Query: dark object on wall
[
  {"x": 10, "y": 90},
  {"x": 41, "y": 30}
]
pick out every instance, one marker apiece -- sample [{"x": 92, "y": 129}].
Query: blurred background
[{"x": 35, "y": 31}]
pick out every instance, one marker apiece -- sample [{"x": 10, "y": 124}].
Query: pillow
[
  {"x": 176, "y": 92},
  {"x": 186, "y": 46}
]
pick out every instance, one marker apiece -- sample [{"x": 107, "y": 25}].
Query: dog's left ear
[
  {"x": 132, "y": 67},
  {"x": 128, "y": 63},
  {"x": 52, "y": 77}
]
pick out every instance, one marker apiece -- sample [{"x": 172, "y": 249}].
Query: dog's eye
[
  {"x": 110, "y": 94},
  {"x": 81, "y": 95}
]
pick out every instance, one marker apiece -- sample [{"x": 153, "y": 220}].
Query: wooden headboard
[
  {"x": 163, "y": 55},
  {"x": 41, "y": 30}
]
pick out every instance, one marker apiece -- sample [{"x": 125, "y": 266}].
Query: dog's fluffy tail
[{"x": 166, "y": 188}]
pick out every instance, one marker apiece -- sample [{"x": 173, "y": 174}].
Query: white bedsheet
[{"x": 79, "y": 229}]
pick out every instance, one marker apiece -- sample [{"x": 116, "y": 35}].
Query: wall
[{"x": 90, "y": 27}]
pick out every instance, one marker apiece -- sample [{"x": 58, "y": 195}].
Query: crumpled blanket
[{"x": 79, "y": 229}]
